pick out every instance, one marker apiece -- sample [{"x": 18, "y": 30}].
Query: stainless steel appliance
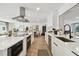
[
  {"x": 22, "y": 17},
  {"x": 16, "y": 49}
]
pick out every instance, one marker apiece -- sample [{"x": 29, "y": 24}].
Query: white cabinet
[
  {"x": 3, "y": 52},
  {"x": 32, "y": 38},
  {"x": 58, "y": 47},
  {"x": 58, "y": 50},
  {"x": 46, "y": 37},
  {"x": 69, "y": 52},
  {"x": 61, "y": 51}
]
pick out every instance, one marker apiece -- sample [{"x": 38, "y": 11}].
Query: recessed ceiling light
[
  {"x": 38, "y": 9},
  {"x": 77, "y": 17},
  {"x": 7, "y": 16}
]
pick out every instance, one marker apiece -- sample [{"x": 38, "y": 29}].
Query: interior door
[{"x": 43, "y": 30}]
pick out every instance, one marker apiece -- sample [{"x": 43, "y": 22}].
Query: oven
[{"x": 16, "y": 49}]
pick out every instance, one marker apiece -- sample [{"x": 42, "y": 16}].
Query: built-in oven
[{"x": 16, "y": 49}]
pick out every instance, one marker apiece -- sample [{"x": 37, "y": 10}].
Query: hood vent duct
[{"x": 22, "y": 17}]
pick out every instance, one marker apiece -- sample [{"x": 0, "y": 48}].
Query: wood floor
[{"x": 39, "y": 47}]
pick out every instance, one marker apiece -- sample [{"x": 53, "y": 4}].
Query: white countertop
[
  {"x": 72, "y": 46},
  {"x": 6, "y": 42}
]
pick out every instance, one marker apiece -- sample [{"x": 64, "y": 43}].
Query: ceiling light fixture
[
  {"x": 77, "y": 17},
  {"x": 7, "y": 16},
  {"x": 38, "y": 9}
]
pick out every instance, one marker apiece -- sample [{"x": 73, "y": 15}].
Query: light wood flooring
[{"x": 39, "y": 47}]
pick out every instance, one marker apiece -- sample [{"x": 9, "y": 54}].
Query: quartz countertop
[
  {"x": 6, "y": 42},
  {"x": 72, "y": 46}
]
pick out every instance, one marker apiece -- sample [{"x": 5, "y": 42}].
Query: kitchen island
[
  {"x": 9, "y": 45},
  {"x": 63, "y": 48}
]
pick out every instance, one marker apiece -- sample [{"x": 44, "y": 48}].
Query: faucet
[{"x": 67, "y": 31}]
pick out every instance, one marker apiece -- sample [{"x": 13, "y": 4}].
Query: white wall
[
  {"x": 55, "y": 19},
  {"x": 49, "y": 21},
  {"x": 8, "y": 11}
]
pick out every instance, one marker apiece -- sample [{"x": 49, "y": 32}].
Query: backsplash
[{"x": 20, "y": 26}]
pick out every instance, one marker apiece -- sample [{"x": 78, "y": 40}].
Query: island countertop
[
  {"x": 72, "y": 46},
  {"x": 6, "y": 42}
]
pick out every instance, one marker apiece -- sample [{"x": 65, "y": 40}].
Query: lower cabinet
[
  {"x": 62, "y": 51},
  {"x": 57, "y": 50},
  {"x": 70, "y": 53},
  {"x": 49, "y": 42}
]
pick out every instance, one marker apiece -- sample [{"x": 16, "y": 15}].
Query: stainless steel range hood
[{"x": 22, "y": 17}]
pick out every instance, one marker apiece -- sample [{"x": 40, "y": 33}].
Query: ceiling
[
  {"x": 72, "y": 14},
  {"x": 10, "y": 10}
]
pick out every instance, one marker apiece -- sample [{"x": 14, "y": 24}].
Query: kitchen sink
[{"x": 64, "y": 39}]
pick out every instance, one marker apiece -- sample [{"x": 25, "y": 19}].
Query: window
[{"x": 3, "y": 27}]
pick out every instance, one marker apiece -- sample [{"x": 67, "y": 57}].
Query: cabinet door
[
  {"x": 57, "y": 50},
  {"x": 69, "y": 53},
  {"x": 54, "y": 50}
]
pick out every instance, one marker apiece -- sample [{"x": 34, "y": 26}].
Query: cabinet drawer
[
  {"x": 69, "y": 53},
  {"x": 58, "y": 51},
  {"x": 59, "y": 42}
]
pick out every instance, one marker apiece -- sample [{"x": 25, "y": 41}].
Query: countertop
[
  {"x": 6, "y": 42},
  {"x": 72, "y": 46}
]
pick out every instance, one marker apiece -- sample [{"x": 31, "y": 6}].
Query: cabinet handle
[
  {"x": 75, "y": 53},
  {"x": 55, "y": 44}
]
